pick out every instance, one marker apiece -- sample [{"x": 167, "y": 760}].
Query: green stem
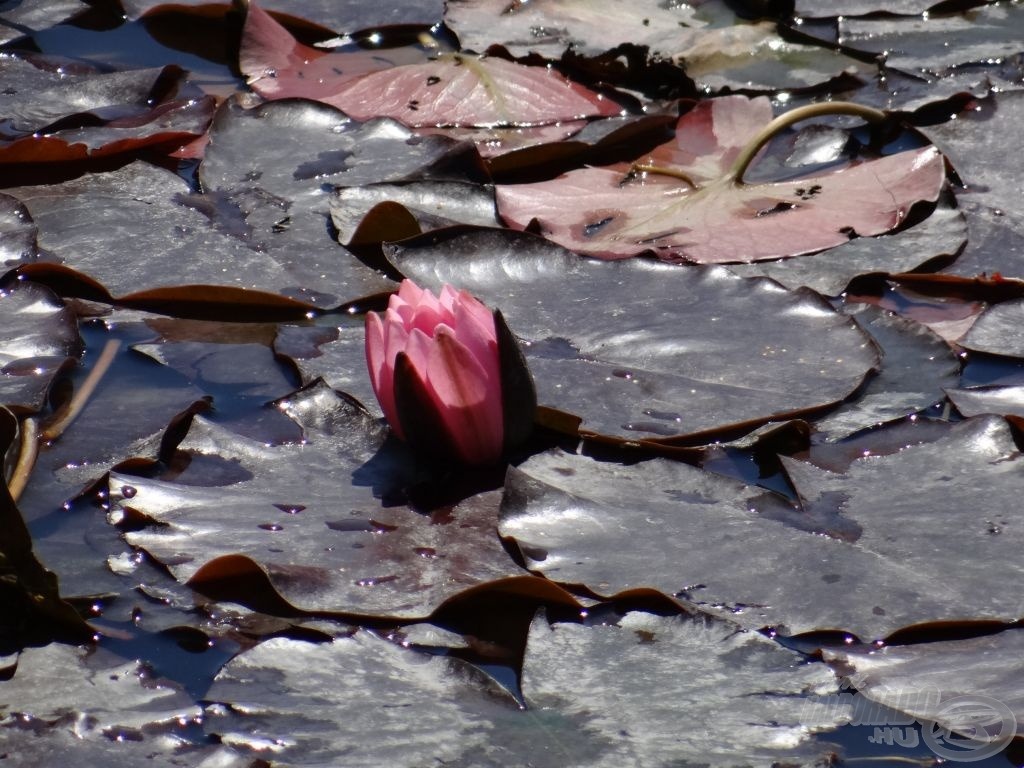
[{"x": 786, "y": 119}]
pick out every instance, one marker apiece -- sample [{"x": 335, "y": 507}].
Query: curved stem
[
  {"x": 662, "y": 171},
  {"x": 787, "y": 119},
  {"x": 78, "y": 401},
  {"x": 27, "y": 454}
]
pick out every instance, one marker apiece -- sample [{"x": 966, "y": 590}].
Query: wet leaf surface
[
  {"x": 17, "y": 18},
  {"x": 372, "y": 556},
  {"x": 340, "y": 15},
  {"x": 587, "y": 27},
  {"x": 935, "y": 682},
  {"x": 40, "y": 339},
  {"x": 935, "y": 42},
  {"x": 569, "y": 516},
  {"x": 917, "y": 367},
  {"x": 651, "y": 372},
  {"x": 364, "y": 683},
  {"x": 189, "y": 515},
  {"x": 998, "y": 330}
]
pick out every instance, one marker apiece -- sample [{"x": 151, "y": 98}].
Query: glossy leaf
[
  {"x": 681, "y": 352},
  {"x": 370, "y": 553},
  {"x": 316, "y": 703},
  {"x": 713, "y": 540}
]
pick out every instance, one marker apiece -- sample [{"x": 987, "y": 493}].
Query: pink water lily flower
[{"x": 436, "y": 370}]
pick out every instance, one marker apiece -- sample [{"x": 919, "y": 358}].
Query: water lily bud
[{"x": 449, "y": 375}]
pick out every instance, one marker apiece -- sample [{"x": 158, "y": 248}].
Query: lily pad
[
  {"x": 51, "y": 117},
  {"x": 684, "y": 351},
  {"x": 96, "y": 694},
  {"x": 340, "y": 15},
  {"x": 314, "y": 704},
  {"x": 335, "y": 354},
  {"x": 934, "y": 42},
  {"x": 141, "y": 228},
  {"x": 433, "y": 204},
  {"x": 723, "y": 220},
  {"x": 17, "y": 19},
  {"x": 917, "y": 367},
  {"x": 450, "y": 89},
  {"x": 986, "y": 160},
  {"x": 999, "y": 330},
  {"x": 324, "y": 520},
  {"x": 296, "y": 150},
  {"x": 940, "y": 237},
  {"x": 963, "y": 690},
  {"x": 569, "y": 517},
  {"x": 1005, "y": 401},
  {"x": 824, "y": 9},
  {"x": 586, "y": 26},
  {"x": 40, "y": 340}
]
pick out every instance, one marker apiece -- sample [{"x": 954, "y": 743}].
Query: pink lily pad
[
  {"x": 615, "y": 213},
  {"x": 450, "y": 89}
]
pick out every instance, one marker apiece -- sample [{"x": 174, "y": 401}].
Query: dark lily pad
[
  {"x": 917, "y": 366},
  {"x": 999, "y": 330},
  {"x": 934, "y": 42},
  {"x": 53, "y": 117},
  {"x": 628, "y": 680},
  {"x": 340, "y": 15},
  {"x": 433, "y": 204},
  {"x": 745, "y": 56},
  {"x": 141, "y": 228},
  {"x": 1005, "y": 401},
  {"x": 311, "y": 517},
  {"x": 964, "y": 687},
  {"x": 297, "y": 150},
  {"x": 50, "y": 749},
  {"x": 982, "y": 147},
  {"x": 586, "y": 26},
  {"x": 22, "y": 17},
  {"x": 40, "y": 339},
  {"x": 17, "y": 233},
  {"x": 30, "y": 601},
  {"x": 335, "y": 354},
  {"x": 315, "y": 704},
  {"x": 700, "y": 536},
  {"x": 97, "y": 695},
  {"x": 824, "y": 9},
  {"x": 678, "y": 351}
]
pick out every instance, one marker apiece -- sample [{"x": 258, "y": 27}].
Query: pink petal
[
  {"x": 409, "y": 292},
  {"x": 479, "y": 337},
  {"x": 468, "y": 398}
]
